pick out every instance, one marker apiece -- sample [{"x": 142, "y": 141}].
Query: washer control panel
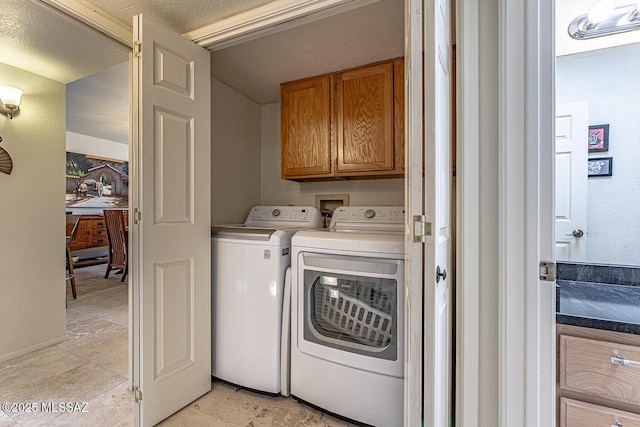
[{"x": 305, "y": 216}]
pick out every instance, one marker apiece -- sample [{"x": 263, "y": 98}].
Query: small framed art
[
  {"x": 598, "y": 138},
  {"x": 600, "y": 166}
]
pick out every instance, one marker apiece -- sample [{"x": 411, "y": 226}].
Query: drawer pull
[
  {"x": 618, "y": 424},
  {"x": 621, "y": 361}
]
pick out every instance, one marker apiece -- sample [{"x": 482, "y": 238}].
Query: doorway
[{"x": 597, "y": 257}]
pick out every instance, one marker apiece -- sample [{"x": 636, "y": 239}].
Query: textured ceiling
[
  {"x": 39, "y": 40},
  {"x": 180, "y": 15}
]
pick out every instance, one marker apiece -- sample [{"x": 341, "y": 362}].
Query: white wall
[
  {"x": 32, "y": 223},
  {"x": 235, "y": 154},
  {"x": 277, "y": 191},
  {"x": 608, "y": 80}
]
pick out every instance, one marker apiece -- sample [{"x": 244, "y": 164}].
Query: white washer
[
  {"x": 248, "y": 268},
  {"x": 347, "y": 317}
]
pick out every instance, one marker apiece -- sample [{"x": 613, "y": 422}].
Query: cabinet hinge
[
  {"x": 421, "y": 228},
  {"x": 137, "y": 49},
  {"x": 137, "y": 394},
  {"x": 548, "y": 271},
  {"x": 137, "y": 216}
]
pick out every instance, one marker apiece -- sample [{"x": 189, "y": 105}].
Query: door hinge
[
  {"x": 548, "y": 271},
  {"x": 137, "y": 49},
  {"x": 421, "y": 228},
  {"x": 137, "y": 216},
  {"x": 137, "y": 394}
]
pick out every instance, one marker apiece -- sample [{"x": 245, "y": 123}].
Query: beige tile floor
[{"x": 91, "y": 366}]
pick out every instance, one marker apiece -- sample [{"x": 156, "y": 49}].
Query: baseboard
[{"x": 32, "y": 348}]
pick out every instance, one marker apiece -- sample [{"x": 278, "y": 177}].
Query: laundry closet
[{"x": 256, "y": 90}]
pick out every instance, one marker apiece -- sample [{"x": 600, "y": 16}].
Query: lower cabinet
[
  {"x": 574, "y": 413},
  {"x": 598, "y": 378},
  {"x": 91, "y": 233}
]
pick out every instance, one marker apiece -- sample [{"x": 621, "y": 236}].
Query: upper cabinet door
[
  {"x": 306, "y": 128},
  {"x": 365, "y": 117}
]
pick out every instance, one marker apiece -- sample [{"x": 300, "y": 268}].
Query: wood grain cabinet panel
[
  {"x": 305, "y": 128},
  {"x": 598, "y": 368},
  {"x": 365, "y": 119},
  {"x": 348, "y": 124},
  {"x": 574, "y": 413},
  {"x": 598, "y": 378}
]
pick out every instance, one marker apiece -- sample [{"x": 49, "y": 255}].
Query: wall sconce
[
  {"x": 10, "y": 97},
  {"x": 604, "y": 19}
]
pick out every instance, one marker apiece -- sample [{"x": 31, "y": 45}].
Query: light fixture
[
  {"x": 604, "y": 19},
  {"x": 10, "y": 97}
]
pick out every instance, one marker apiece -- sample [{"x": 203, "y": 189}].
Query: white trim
[
  {"x": 512, "y": 214},
  {"x": 33, "y": 348},
  {"x": 101, "y": 22},
  {"x": 468, "y": 221},
  {"x": 540, "y": 295},
  {"x": 414, "y": 196},
  {"x": 268, "y": 19}
]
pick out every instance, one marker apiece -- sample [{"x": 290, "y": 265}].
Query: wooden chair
[
  {"x": 72, "y": 232},
  {"x": 117, "y": 237}
]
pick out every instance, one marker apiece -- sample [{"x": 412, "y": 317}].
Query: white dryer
[
  {"x": 248, "y": 269},
  {"x": 347, "y": 317}
]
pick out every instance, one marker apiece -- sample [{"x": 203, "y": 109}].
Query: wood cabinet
[
  {"x": 91, "y": 233},
  {"x": 577, "y": 413},
  {"x": 348, "y": 124},
  {"x": 598, "y": 378},
  {"x": 306, "y": 128}
]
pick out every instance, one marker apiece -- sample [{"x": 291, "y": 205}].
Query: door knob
[
  {"x": 576, "y": 233},
  {"x": 440, "y": 274}
]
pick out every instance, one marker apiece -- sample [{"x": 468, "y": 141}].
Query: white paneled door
[
  {"x": 429, "y": 283},
  {"x": 572, "y": 131},
  {"x": 170, "y": 226}
]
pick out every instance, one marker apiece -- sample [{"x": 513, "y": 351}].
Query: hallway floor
[{"x": 92, "y": 366}]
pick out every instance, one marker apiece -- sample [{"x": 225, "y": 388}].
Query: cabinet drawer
[
  {"x": 574, "y": 413},
  {"x": 595, "y": 368}
]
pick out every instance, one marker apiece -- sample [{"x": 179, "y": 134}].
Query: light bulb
[{"x": 601, "y": 11}]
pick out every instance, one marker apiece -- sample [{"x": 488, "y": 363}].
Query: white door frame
[
  {"x": 467, "y": 304},
  {"x": 525, "y": 356}
]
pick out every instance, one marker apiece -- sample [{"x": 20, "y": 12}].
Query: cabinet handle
[
  {"x": 621, "y": 361},
  {"x": 617, "y": 424}
]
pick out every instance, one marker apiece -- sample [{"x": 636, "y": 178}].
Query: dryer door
[{"x": 353, "y": 311}]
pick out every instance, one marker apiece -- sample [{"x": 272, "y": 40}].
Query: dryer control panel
[{"x": 368, "y": 216}]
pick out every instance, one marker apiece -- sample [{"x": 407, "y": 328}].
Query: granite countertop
[{"x": 601, "y": 297}]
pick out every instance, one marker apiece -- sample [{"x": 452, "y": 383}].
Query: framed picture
[
  {"x": 600, "y": 166},
  {"x": 598, "y": 138}
]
